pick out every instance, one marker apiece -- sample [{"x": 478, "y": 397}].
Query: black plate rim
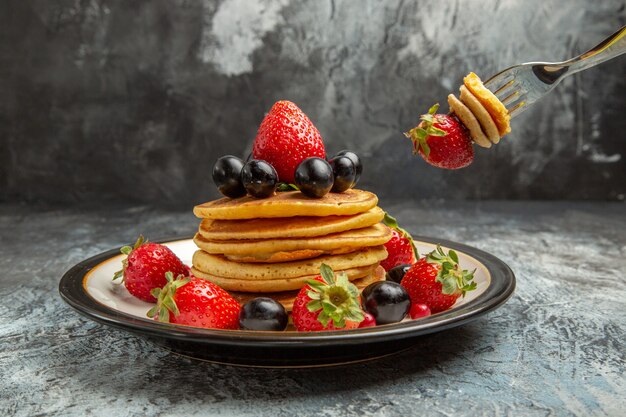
[{"x": 502, "y": 286}]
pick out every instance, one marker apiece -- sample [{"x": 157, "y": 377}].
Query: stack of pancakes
[
  {"x": 270, "y": 247},
  {"x": 486, "y": 118}
]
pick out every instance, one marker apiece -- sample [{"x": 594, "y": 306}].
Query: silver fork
[{"x": 520, "y": 86}]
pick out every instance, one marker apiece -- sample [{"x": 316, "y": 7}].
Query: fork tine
[
  {"x": 518, "y": 108},
  {"x": 498, "y": 80},
  {"x": 507, "y": 90}
]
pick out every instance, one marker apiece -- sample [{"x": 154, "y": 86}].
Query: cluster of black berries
[{"x": 314, "y": 177}]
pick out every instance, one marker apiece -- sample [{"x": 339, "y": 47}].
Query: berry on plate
[
  {"x": 259, "y": 179},
  {"x": 442, "y": 140},
  {"x": 396, "y": 273},
  {"x": 355, "y": 160},
  {"x": 437, "y": 280},
  {"x": 327, "y": 303},
  {"x": 314, "y": 177},
  {"x": 196, "y": 302},
  {"x": 145, "y": 266},
  {"x": 400, "y": 248},
  {"x": 387, "y": 301},
  {"x": 368, "y": 321},
  {"x": 418, "y": 311},
  {"x": 344, "y": 173},
  {"x": 263, "y": 313},
  {"x": 285, "y": 138},
  {"x": 227, "y": 176}
]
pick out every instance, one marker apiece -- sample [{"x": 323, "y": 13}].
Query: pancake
[
  {"x": 269, "y": 228},
  {"x": 482, "y": 115},
  {"x": 288, "y": 204},
  {"x": 220, "y": 266},
  {"x": 287, "y": 256},
  {"x": 349, "y": 240},
  {"x": 286, "y": 298},
  {"x": 275, "y": 285},
  {"x": 469, "y": 120},
  {"x": 496, "y": 109}
]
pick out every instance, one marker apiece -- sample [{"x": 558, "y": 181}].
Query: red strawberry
[
  {"x": 195, "y": 302},
  {"x": 285, "y": 138},
  {"x": 437, "y": 281},
  {"x": 327, "y": 303},
  {"x": 145, "y": 266},
  {"x": 442, "y": 140},
  {"x": 400, "y": 248}
]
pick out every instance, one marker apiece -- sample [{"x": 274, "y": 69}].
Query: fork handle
[{"x": 611, "y": 47}]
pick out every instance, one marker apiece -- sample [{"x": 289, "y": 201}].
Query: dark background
[{"x": 132, "y": 101}]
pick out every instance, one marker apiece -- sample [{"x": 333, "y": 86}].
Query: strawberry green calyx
[
  {"x": 283, "y": 186},
  {"x": 451, "y": 276},
  {"x": 126, "y": 250},
  {"x": 419, "y": 134},
  {"x": 338, "y": 299},
  {"x": 391, "y": 222},
  {"x": 165, "y": 298}
]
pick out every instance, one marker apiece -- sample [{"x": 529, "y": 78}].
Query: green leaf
[
  {"x": 313, "y": 295},
  {"x": 283, "y": 186},
  {"x": 152, "y": 312},
  {"x": 390, "y": 221},
  {"x": 314, "y": 306},
  {"x": 448, "y": 285},
  {"x": 164, "y": 315},
  {"x": 126, "y": 250},
  {"x": 327, "y": 274},
  {"x": 453, "y": 255},
  {"x": 323, "y": 318},
  {"x": 433, "y": 109}
]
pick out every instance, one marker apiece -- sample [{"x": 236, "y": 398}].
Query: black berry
[
  {"x": 314, "y": 177},
  {"x": 227, "y": 176},
  {"x": 396, "y": 273},
  {"x": 263, "y": 313},
  {"x": 344, "y": 172},
  {"x": 357, "y": 162},
  {"x": 387, "y": 301},
  {"x": 259, "y": 178}
]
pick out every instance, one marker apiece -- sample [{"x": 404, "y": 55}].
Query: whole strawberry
[
  {"x": 437, "y": 281},
  {"x": 326, "y": 303},
  {"x": 442, "y": 140},
  {"x": 285, "y": 138},
  {"x": 400, "y": 248},
  {"x": 196, "y": 302},
  {"x": 145, "y": 266}
]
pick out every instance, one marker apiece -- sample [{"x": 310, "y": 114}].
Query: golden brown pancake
[
  {"x": 291, "y": 227},
  {"x": 482, "y": 115},
  {"x": 496, "y": 109},
  {"x": 286, "y": 298},
  {"x": 469, "y": 120},
  {"x": 286, "y": 256},
  {"x": 220, "y": 266},
  {"x": 288, "y": 204},
  {"x": 276, "y": 285},
  {"x": 375, "y": 235}
]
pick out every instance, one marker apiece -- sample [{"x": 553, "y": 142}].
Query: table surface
[{"x": 557, "y": 347}]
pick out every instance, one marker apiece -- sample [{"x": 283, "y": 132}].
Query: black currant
[
  {"x": 387, "y": 301},
  {"x": 396, "y": 273},
  {"x": 357, "y": 162},
  {"x": 263, "y": 313},
  {"x": 259, "y": 178},
  {"x": 227, "y": 176},
  {"x": 314, "y": 177},
  {"x": 344, "y": 172}
]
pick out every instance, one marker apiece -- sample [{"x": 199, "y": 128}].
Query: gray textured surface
[
  {"x": 556, "y": 348},
  {"x": 134, "y": 100}
]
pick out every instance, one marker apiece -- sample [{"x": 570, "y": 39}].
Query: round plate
[{"x": 88, "y": 288}]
